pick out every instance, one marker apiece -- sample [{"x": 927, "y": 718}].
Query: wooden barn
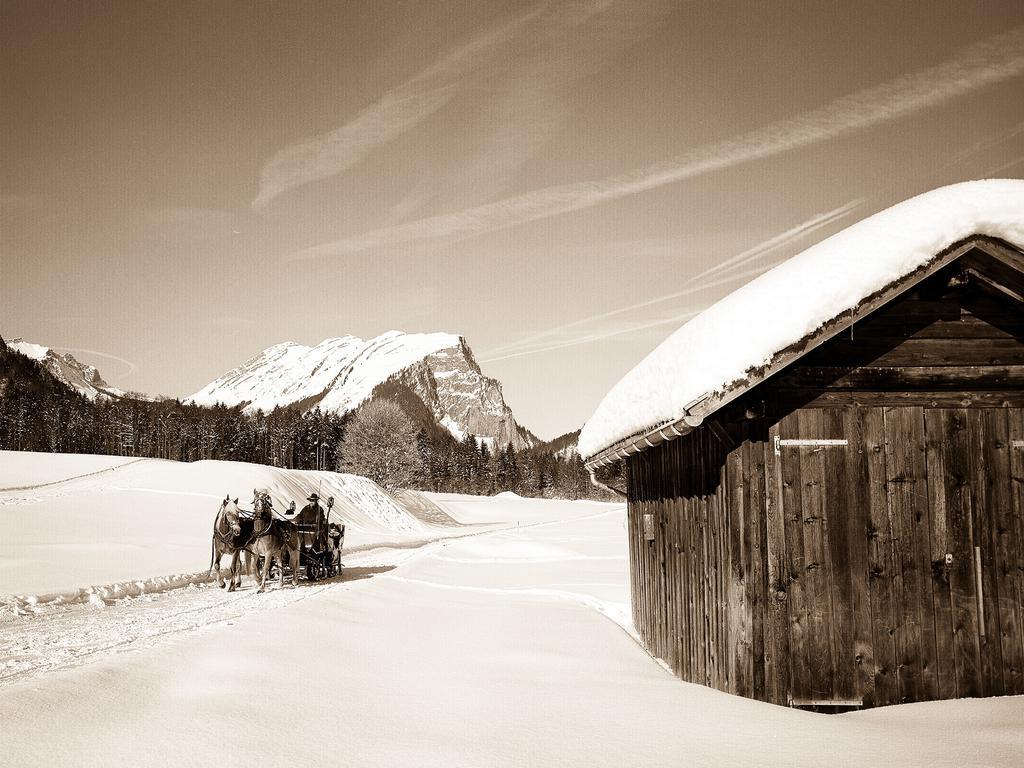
[{"x": 841, "y": 525}]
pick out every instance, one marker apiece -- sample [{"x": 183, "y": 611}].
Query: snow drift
[{"x": 73, "y": 520}]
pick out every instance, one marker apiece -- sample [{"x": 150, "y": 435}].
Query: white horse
[
  {"x": 268, "y": 540},
  {"x": 231, "y": 535}
]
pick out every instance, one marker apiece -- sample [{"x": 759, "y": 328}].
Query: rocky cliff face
[
  {"x": 339, "y": 374},
  {"x": 463, "y": 400},
  {"x": 80, "y": 377}
]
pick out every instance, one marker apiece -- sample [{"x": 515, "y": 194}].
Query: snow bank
[
  {"x": 468, "y": 509},
  {"x": 747, "y": 328},
  {"x": 74, "y": 520},
  {"x": 100, "y": 596},
  {"x": 423, "y": 508}
]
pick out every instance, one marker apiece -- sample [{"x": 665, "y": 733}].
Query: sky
[{"x": 563, "y": 183}]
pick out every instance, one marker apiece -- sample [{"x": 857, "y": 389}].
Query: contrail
[
  {"x": 131, "y": 366},
  {"x": 987, "y": 143},
  {"x": 693, "y": 285},
  {"x": 774, "y": 243},
  {"x": 597, "y": 336},
  {"x": 991, "y": 61},
  {"x": 531, "y": 52},
  {"x": 396, "y": 112},
  {"x": 1003, "y": 167},
  {"x": 631, "y": 328}
]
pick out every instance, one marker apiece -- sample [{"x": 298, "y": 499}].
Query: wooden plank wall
[
  {"x": 691, "y": 599},
  {"x": 819, "y": 574}
]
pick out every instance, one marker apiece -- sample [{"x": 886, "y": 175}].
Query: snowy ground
[{"x": 502, "y": 642}]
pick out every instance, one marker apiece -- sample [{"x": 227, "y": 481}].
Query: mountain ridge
[
  {"x": 78, "y": 376},
  {"x": 564, "y": 446},
  {"x": 340, "y": 373}
]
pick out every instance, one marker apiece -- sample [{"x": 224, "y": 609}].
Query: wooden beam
[
  {"x": 722, "y": 434},
  {"x": 946, "y": 377}
]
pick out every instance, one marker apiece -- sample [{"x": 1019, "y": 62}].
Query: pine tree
[
  {"x": 484, "y": 471},
  {"x": 425, "y": 449}
]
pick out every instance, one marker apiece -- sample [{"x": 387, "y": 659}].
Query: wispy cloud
[
  {"x": 621, "y": 328},
  {"x": 512, "y": 69},
  {"x": 583, "y": 331},
  {"x": 1005, "y": 166},
  {"x": 987, "y": 143},
  {"x": 104, "y": 355},
  {"x": 991, "y": 61},
  {"x": 525, "y": 103},
  {"x": 396, "y": 112}
]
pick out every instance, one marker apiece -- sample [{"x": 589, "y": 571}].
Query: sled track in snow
[
  {"x": 103, "y": 471},
  {"x": 70, "y": 635},
  {"x": 53, "y": 635}
]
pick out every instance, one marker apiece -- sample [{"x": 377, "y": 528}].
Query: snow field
[
  {"x": 510, "y": 508},
  {"x": 484, "y": 650},
  {"x": 25, "y": 469}
]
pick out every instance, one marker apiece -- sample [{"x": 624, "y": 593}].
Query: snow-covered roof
[{"x": 744, "y": 331}]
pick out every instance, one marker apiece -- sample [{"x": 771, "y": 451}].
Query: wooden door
[
  {"x": 903, "y": 530},
  {"x": 813, "y": 476},
  {"x": 974, "y": 473}
]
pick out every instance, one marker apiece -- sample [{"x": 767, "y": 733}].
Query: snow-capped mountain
[
  {"x": 338, "y": 374},
  {"x": 84, "y": 379}
]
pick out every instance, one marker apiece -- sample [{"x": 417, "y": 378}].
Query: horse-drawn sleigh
[{"x": 303, "y": 541}]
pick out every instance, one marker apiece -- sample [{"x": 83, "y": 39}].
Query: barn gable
[{"x": 954, "y": 337}]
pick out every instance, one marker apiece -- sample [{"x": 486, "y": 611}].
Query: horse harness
[
  {"x": 225, "y": 537},
  {"x": 264, "y": 504}
]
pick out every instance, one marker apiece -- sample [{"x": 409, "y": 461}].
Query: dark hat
[{"x": 314, "y": 497}]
